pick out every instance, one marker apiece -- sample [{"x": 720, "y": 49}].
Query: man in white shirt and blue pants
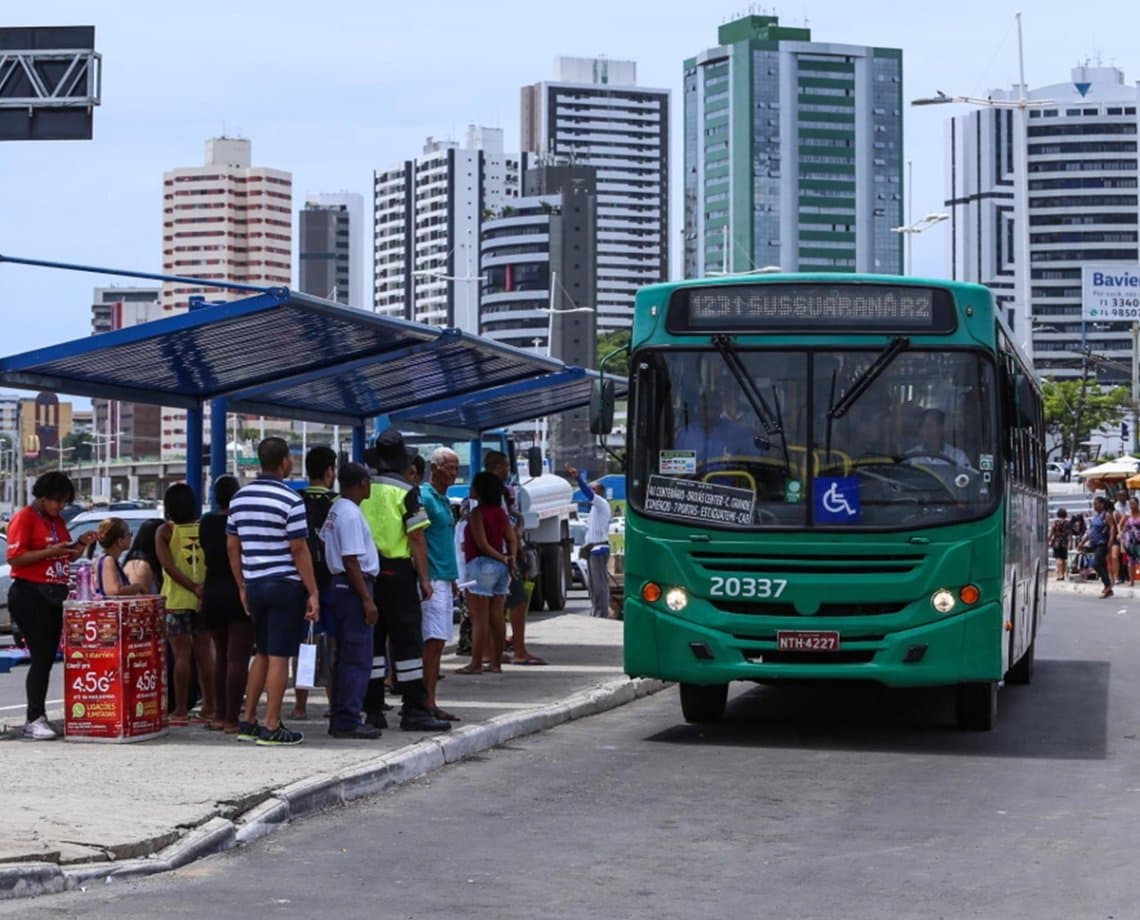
[
  {"x": 597, "y": 543},
  {"x": 354, "y": 563}
]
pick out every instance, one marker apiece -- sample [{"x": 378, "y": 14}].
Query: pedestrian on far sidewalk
[
  {"x": 1059, "y": 541},
  {"x": 1101, "y": 535},
  {"x": 267, "y": 542},
  {"x": 39, "y": 552}
]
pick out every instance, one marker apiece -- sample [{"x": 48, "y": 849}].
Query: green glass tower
[{"x": 793, "y": 154}]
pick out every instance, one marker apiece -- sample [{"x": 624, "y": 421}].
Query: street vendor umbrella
[
  {"x": 1133, "y": 482},
  {"x": 1113, "y": 470}
]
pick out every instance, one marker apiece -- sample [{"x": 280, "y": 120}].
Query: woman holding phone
[{"x": 40, "y": 552}]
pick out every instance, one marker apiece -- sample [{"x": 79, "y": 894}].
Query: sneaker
[
  {"x": 376, "y": 720},
  {"x": 279, "y": 736},
  {"x": 40, "y": 730},
  {"x": 248, "y": 731}
]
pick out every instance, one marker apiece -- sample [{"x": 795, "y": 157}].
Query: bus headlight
[
  {"x": 942, "y": 600},
  {"x": 676, "y": 599}
]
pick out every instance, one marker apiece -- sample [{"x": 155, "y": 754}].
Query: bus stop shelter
[{"x": 277, "y": 352}]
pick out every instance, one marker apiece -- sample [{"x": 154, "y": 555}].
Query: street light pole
[{"x": 1021, "y": 188}]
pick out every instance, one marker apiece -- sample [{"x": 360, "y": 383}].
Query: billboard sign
[
  {"x": 1110, "y": 293},
  {"x": 50, "y": 82}
]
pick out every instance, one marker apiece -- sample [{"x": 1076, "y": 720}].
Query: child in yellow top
[{"x": 184, "y": 567}]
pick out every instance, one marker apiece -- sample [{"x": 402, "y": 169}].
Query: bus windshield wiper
[
  {"x": 771, "y": 422},
  {"x": 894, "y": 347}
]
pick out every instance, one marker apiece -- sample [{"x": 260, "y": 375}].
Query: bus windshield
[{"x": 900, "y": 437}]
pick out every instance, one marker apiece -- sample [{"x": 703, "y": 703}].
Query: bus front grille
[
  {"x": 766, "y": 656},
  {"x": 745, "y": 563},
  {"x": 761, "y": 609}
]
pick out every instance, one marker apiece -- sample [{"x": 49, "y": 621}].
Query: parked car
[
  {"x": 579, "y": 568},
  {"x": 89, "y": 520},
  {"x": 1054, "y": 471}
]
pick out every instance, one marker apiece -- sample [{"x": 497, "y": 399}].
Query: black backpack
[{"x": 317, "y": 505}]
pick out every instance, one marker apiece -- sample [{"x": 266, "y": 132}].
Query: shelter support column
[
  {"x": 357, "y": 443},
  {"x": 194, "y": 450},
  {"x": 218, "y": 409}
]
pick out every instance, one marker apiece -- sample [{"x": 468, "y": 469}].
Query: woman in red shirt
[
  {"x": 40, "y": 552},
  {"x": 489, "y": 549}
]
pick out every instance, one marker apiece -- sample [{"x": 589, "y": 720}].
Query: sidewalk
[
  {"x": 1090, "y": 587},
  {"x": 75, "y": 813}
]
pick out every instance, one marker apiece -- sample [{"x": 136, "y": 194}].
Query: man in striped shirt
[{"x": 266, "y": 538}]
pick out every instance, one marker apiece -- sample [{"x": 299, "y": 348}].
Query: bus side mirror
[
  {"x": 602, "y": 407},
  {"x": 1023, "y": 393},
  {"x": 534, "y": 461}
]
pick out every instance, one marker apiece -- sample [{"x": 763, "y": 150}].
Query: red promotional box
[{"x": 114, "y": 669}]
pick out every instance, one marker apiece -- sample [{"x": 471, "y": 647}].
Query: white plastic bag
[{"x": 306, "y": 677}]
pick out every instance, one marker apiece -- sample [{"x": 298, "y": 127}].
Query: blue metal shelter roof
[
  {"x": 506, "y": 404},
  {"x": 279, "y": 352}
]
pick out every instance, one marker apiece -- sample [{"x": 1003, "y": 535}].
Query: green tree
[
  {"x": 1076, "y": 408},
  {"x": 609, "y": 342},
  {"x": 82, "y": 442}
]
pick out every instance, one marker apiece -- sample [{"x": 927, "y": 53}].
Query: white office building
[
  {"x": 427, "y": 216},
  {"x": 594, "y": 114},
  {"x": 1080, "y": 159}
]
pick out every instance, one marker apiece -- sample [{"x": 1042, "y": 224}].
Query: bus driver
[{"x": 933, "y": 447}]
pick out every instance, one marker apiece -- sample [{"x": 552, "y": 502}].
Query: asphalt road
[{"x": 825, "y": 802}]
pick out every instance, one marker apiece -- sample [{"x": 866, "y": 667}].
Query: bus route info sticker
[
  {"x": 690, "y": 500},
  {"x": 676, "y": 462}
]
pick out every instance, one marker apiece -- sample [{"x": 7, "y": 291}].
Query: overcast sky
[{"x": 333, "y": 90}]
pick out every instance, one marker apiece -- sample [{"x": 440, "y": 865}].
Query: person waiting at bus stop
[
  {"x": 1101, "y": 535},
  {"x": 397, "y": 520}
]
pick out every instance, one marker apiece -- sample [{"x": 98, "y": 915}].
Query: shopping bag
[{"x": 306, "y": 676}]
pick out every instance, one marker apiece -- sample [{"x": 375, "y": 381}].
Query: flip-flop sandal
[
  {"x": 445, "y": 715},
  {"x": 178, "y": 721},
  {"x": 471, "y": 671},
  {"x": 213, "y": 726},
  {"x": 531, "y": 661}
]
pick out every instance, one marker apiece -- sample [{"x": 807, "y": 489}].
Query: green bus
[{"x": 831, "y": 478}]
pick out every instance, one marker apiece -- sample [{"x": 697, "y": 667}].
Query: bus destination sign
[{"x": 811, "y": 307}]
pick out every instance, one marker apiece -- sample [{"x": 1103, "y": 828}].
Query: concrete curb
[{"x": 323, "y": 791}]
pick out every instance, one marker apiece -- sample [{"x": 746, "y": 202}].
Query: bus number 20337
[{"x": 746, "y": 586}]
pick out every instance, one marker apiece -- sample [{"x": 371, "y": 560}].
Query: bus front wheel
[
  {"x": 703, "y": 702},
  {"x": 977, "y": 706}
]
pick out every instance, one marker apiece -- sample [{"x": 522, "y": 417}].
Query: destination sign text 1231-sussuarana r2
[{"x": 767, "y": 307}]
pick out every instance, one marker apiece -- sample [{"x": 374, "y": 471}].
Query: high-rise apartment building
[
  {"x": 595, "y": 114},
  {"x": 1080, "y": 160},
  {"x": 793, "y": 153},
  {"x": 330, "y": 250},
  {"x": 228, "y": 221},
  {"x": 125, "y": 429},
  {"x": 428, "y": 212}
]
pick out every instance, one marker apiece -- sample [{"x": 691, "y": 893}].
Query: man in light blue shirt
[{"x": 443, "y": 569}]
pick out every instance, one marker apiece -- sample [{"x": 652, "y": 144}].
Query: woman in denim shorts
[{"x": 489, "y": 552}]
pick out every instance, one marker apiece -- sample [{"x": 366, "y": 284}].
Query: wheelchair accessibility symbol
[{"x": 837, "y": 500}]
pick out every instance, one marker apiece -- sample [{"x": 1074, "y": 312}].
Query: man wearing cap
[
  {"x": 597, "y": 542},
  {"x": 353, "y": 565},
  {"x": 397, "y": 520}
]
